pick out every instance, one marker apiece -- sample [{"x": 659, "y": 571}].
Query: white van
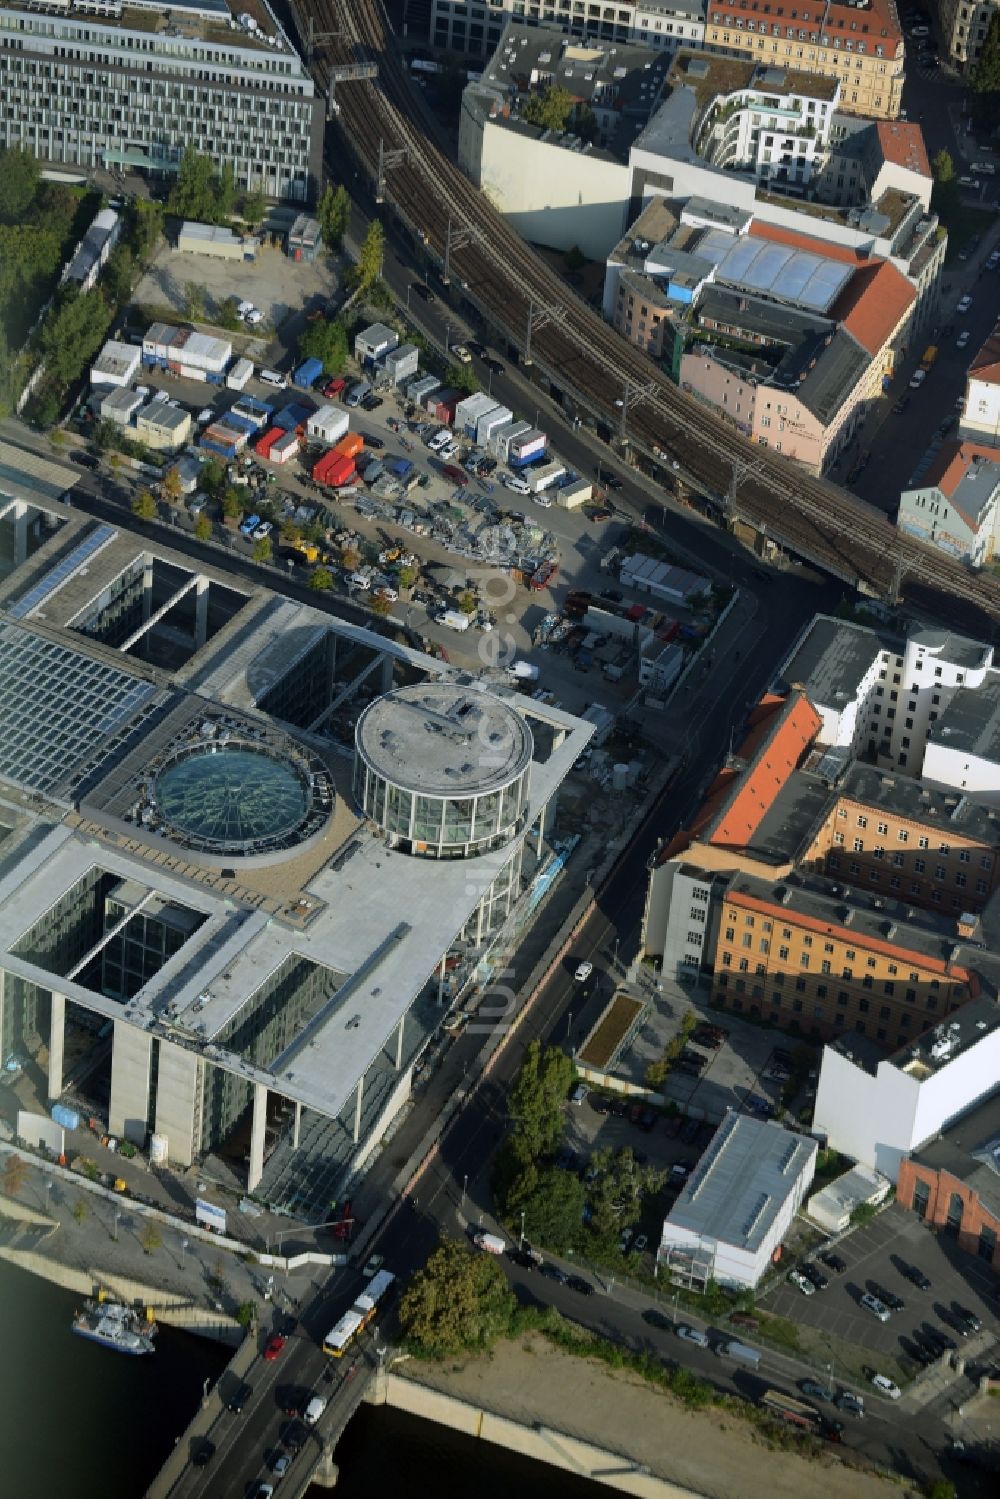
[
  {"x": 441, "y": 439},
  {"x": 986, "y": 167},
  {"x": 271, "y": 377},
  {"x": 314, "y": 1410}
]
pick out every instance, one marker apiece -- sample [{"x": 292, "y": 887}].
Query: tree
[
  {"x": 462, "y": 377},
  {"x": 213, "y": 476},
  {"x": 380, "y": 605},
  {"x": 574, "y": 259},
  {"x": 80, "y": 1210},
  {"x": 321, "y": 579},
  {"x": 332, "y": 215},
  {"x": 20, "y": 175},
  {"x": 536, "y": 1096},
  {"x": 246, "y": 1313},
  {"x": 172, "y": 487},
  {"x": 407, "y": 576},
  {"x": 227, "y": 316},
  {"x": 203, "y": 528},
  {"x": 945, "y": 194},
  {"x": 144, "y": 505},
  {"x": 467, "y": 601},
  {"x": 326, "y": 341},
  {"x": 550, "y": 108},
  {"x": 232, "y": 505},
  {"x": 369, "y": 266},
  {"x": 15, "y": 1174},
  {"x": 253, "y": 209},
  {"x": 193, "y": 193},
  {"x": 119, "y": 274},
  {"x": 263, "y": 551},
  {"x": 553, "y": 1210},
  {"x": 350, "y": 558},
  {"x": 459, "y": 1302},
  {"x": 617, "y": 1190},
  {"x": 986, "y": 74},
  {"x": 194, "y": 302},
  {"x": 291, "y": 534},
  {"x": 150, "y": 1238}
]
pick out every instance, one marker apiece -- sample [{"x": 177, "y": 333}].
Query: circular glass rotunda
[{"x": 443, "y": 768}]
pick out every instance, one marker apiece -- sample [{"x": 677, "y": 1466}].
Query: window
[
  {"x": 964, "y": 856},
  {"x": 862, "y": 821},
  {"x": 922, "y": 843},
  {"x": 888, "y": 988},
  {"x": 694, "y": 938},
  {"x": 747, "y": 939},
  {"x": 899, "y": 859},
  {"x": 903, "y": 836},
  {"x": 804, "y": 960},
  {"x": 883, "y": 827},
  {"x": 939, "y": 871},
  {"x": 859, "y": 845},
  {"x": 730, "y": 934},
  {"x": 783, "y": 952},
  {"x": 919, "y": 866},
  {"x": 763, "y": 945},
  {"x": 864, "y": 1006},
  {"x": 800, "y": 987},
  {"x": 727, "y": 960}
]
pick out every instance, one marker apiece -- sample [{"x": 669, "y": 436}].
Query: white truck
[
  {"x": 523, "y": 671},
  {"x": 491, "y": 1243},
  {"x": 456, "y": 620}
]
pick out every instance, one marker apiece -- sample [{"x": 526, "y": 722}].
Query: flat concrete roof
[
  {"x": 971, "y": 722},
  {"x": 741, "y": 1183},
  {"x": 832, "y": 658},
  {"x": 444, "y": 739}
]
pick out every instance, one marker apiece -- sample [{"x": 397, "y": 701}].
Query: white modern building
[
  {"x": 739, "y": 1201},
  {"x": 980, "y": 420},
  {"x": 878, "y": 1109},
  {"x": 130, "y": 86},
  {"x": 881, "y": 697}
]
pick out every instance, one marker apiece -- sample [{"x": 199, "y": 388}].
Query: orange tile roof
[
  {"x": 953, "y": 462},
  {"x": 798, "y": 241},
  {"x": 850, "y": 934},
  {"x": 872, "y": 304},
  {"x": 986, "y": 365},
  {"x": 902, "y": 143},
  {"x": 785, "y": 729},
  {"x": 877, "y": 21}
]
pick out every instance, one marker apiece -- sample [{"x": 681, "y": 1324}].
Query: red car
[
  {"x": 275, "y": 1345},
  {"x": 455, "y": 474},
  {"x": 334, "y": 388}
]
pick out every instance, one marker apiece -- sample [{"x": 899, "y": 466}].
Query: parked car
[
  {"x": 423, "y": 292},
  {"x": 875, "y": 1306},
  {"x": 963, "y": 339},
  {"x": 965, "y": 1320},
  {"x": 893, "y": 1302},
  {"x": 492, "y": 363},
  {"x": 847, "y": 1401},
  {"x": 279, "y": 1464},
  {"x": 647, "y": 1120},
  {"x": 578, "y": 1283},
  {"x": 203, "y": 1454},
  {"x": 461, "y": 353},
  {"x": 371, "y": 441},
  {"x": 901, "y": 405},
  {"x": 583, "y": 971},
  {"x": 939, "y": 1341},
  {"x": 885, "y": 1386},
  {"x": 579, "y": 1093},
  {"x": 239, "y": 1398},
  {"x": 801, "y": 1283},
  {"x": 691, "y": 1335},
  {"x": 274, "y": 1345},
  {"x": 817, "y": 1391},
  {"x": 553, "y": 1272},
  {"x": 293, "y": 1437},
  {"x": 84, "y": 460},
  {"x": 835, "y": 1262},
  {"x": 745, "y": 1319},
  {"x": 912, "y": 1273},
  {"x": 964, "y": 304},
  {"x": 608, "y": 479},
  {"x": 813, "y": 1273},
  {"x": 917, "y": 379}
]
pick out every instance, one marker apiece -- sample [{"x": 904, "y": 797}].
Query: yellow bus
[{"x": 354, "y": 1321}]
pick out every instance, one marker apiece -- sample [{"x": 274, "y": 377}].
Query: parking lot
[
  {"x": 276, "y": 285},
  {"x": 876, "y": 1254}
]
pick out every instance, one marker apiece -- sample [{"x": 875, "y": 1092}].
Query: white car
[
  {"x": 917, "y": 379},
  {"x": 244, "y": 308},
  {"x": 263, "y": 530},
  {"x": 877, "y": 1308},
  {"x": 964, "y": 304},
  {"x": 461, "y": 353},
  {"x": 389, "y": 594},
  {"x": 885, "y": 1386},
  {"x": 583, "y": 971},
  {"x": 359, "y": 580},
  {"x": 963, "y": 339},
  {"x": 800, "y": 1283},
  {"x": 691, "y": 1334},
  {"x": 253, "y": 318},
  {"x": 517, "y": 485},
  {"x": 373, "y": 1264}
]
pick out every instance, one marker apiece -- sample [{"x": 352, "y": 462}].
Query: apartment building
[
  {"x": 964, "y": 25},
  {"x": 861, "y": 45},
  {"x": 956, "y": 507},
  {"x": 980, "y": 419},
  {"x": 475, "y": 26},
  {"x": 131, "y": 85}
]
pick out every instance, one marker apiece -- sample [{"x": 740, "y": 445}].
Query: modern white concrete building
[
  {"x": 132, "y": 85},
  {"x": 185, "y": 859},
  {"x": 880, "y": 696},
  {"x": 878, "y": 1109},
  {"x": 475, "y": 26},
  {"x": 737, "y": 1204}
]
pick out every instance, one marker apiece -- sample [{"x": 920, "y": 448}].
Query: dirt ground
[{"x": 707, "y": 1451}]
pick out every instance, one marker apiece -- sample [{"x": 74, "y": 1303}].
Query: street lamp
[
  {"x": 118, "y": 1213},
  {"x": 184, "y": 1249},
  {"x": 520, "y": 1244}
]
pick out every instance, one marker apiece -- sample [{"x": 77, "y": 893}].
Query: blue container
[
  {"x": 68, "y": 1118},
  {"x": 307, "y": 374}
]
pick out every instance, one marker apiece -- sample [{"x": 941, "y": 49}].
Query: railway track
[{"x": 590, "y": 362}]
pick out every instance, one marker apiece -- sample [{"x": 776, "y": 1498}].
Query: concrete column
[
  {"x": 297, "y": 1126},
  {"x": 558, "y": 735},
  {"x": 147, "y": 590},
  {"x": 201, "y": 611},
  {"x": 357, "y": 1110},
  {"x": 387, "y": 664},
  {"x": 441, "y": 973},
  {"x": 57, "y": 1037},
  {"x": 540, "y": 833},
  {"x": 131, "y": 1064},
  {"x": 256, "y": 1170},
  {"x": 20, "y": 533},
  {"x": 399, "y": 1043}
]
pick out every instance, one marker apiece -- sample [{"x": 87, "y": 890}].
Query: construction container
[
  {"x": 402, "y": 363},
  {"x": 441, "y": 405},
  {"x": 373, "y": 342},
  {"x": 304, "y": 239},
  {"x": 469, "y": 410},
  {"x": 349, "y": 446},
  {"x": 285, "y": 448},
  {"x": 239, "y": 423},
  {"x": 328, "y": 424},
  {"x": 191, "y": 372},
  {"x": 293, "y": 416},
  {"x": 577, "y": 493},
  {"x": 527, "y": 448},
  {"x": 307, "y": 374},
  {"x": 257, "y": 412},
  {"x": 419, "y": 389},
  {"x": 491, "y": 422},
  {"x": 263, "y": 445},
  {"x": 543, "y": 475},
  {"x": 501, "y": 437},
  {"x": 336, "y": 473},
  {"x": 240, "y": 374}
]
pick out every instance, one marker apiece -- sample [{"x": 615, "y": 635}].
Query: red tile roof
[
  {"x": 986, "y": 365},
  {"x": 872, "y": 303},
  {"x": 902, "y": 143},
  {"x": 875, "y": 23},
  {"x": 952, "y": 463},
  {"x": 761, "y": 230},
  {"x": 784, "y": 730}
]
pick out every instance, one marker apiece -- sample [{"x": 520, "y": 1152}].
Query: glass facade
[{"x": 442, "y": 827}]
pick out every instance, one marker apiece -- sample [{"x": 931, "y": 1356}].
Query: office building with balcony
[
  {"x": 475, "y": 26},
  {"x": 129, "y": 84}
]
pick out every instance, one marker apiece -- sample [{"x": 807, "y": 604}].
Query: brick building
[{"x": 954, "y": 1182}]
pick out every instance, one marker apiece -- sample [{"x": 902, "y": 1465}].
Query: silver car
[{"x": 877, "y": 1308}]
